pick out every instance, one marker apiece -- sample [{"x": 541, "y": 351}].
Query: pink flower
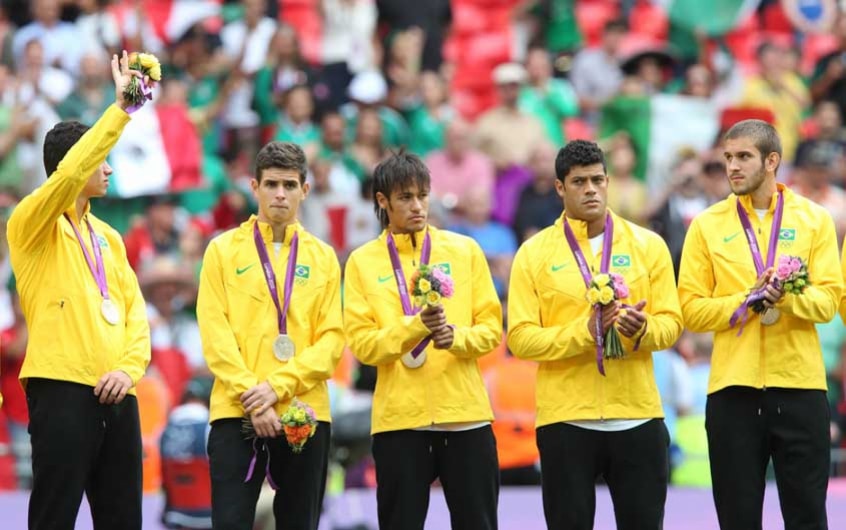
[
  {"x": 447, "y": 288},
  {"x": 795, "y": 264},
  {"x": 783, "y": 271},
  {"x": 621, "y": 290}
]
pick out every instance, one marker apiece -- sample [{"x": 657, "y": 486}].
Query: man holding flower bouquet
[
  {"x": 89, "y": 341},
  {"x": 591, "y": 297},
  {"x": 420, "y": 305},
  {"x": 760, "y": 269},
  {"x": 269, "y": 310}
]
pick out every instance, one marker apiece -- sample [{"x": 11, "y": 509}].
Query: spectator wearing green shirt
[
  {"x": 548, "y": 99},
  {"x": 368, "y": 90},
  {"x": 429, "y": 118},
  {"x": 295, "y": 123},
  {"x": 93, "y": 94}
]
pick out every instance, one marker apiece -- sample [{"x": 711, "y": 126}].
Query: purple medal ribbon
[
  {"x": 586, "y": 276},
  {"x": 146, "y": 95},
  {"x": 741, "y": 313},
  {"x": 270, "y": 276},
  {"x": 94, "y": 265},
  {"x": 266, "y": 467},
  {"x": 399, "y": 276}
]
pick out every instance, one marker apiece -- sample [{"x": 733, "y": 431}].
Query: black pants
[
  {"x": 408, "y": 462},
  {"x": 746, "y": 427},
  {"x": 301, "y": 478},
  {"x": 79, "y": 445},
  {"x": 634, "y": 464}
]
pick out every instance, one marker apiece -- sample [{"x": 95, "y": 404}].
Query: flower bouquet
[
  {"x": 429, "y": 285},
  {"x": 605, "y": 289},
  {"x": 137, "y": 92},
  {"x": 298, "y": 423},
  {"x": 791, "y": 276}
]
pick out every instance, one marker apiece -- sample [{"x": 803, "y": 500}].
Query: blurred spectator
[
  {"x": 692, "y": 466},
  {"x": 170, "y": 289},
  {"x": 14, "y": 340},
  {"x": 402, "y": 65},
  {"x": 285, "y": 69},
  {"x": 557, "y": 24},
  {"x": 367, "y": 148},
  {"x": 154, "y": 235},
  {"x": 61, "y": 41},
  {"x": 506, "y": 133},
  {"x": 497, "y": 240},
  {"x": 94, "y": 91},
  {"x": 829, "y": 78},
  {"x": 16, "y": 126},
  {"x": 670, "y": 213},
  {"x": 813, "y": 178},
  {"x": 7, "y": 31},
  {"x": 321, "y": 197},
  {"x": 458, "y": 166},
  {"x": 295, "y": 122},
  {"x": 246, "y": 43},
  {"x": 713, "y": 181},
  {"x": 627, "y": 195},
  {"x": 549, "y": 100},
  {"x": 346, "y": 172},
  {"x": 98, "y": 29},
  {"x": 192, "y": 245},
  {"x": 781, "y": 91},
  {"x": 539, "y": 205},
  {"x": 596, "y": 73},
  {"x": 827, "y": 125},
  {"x": 432, "y": 17},
  {"x": 349, "y": 28},
  {"x": 39, "y": 78},
  {"x": 429, "y": 117},
  {"x": 368, "y": 90},
  {"x": 674, "y": 384},
  {"x": 186, "y": 481}
]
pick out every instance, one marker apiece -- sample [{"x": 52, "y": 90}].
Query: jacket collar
[
  {"x": 580, "y": 227},
  {"x": 267, "y": 231},
  {"x": 746, "y": 200},
  {"x": 404, "y": 241}
]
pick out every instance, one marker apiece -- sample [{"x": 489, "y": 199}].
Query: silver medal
[
  {"x": 110, "y": 312},
  {"x": 283, "y": 348},
  {"x": 770, "y": 316},
  {"x": 410, "y": 362}
]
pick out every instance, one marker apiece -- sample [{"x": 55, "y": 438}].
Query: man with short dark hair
[
  {"x": 89, "y": 341},
  {"x": 269, "y": 310},
  {"x": 431, "y": 414},
  {"x": 767, "y": 387},
  {"x": 595, "y": 416}
]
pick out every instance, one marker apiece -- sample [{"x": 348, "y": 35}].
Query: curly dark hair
[
  {"x": 577, "y": 153},
  {"x": 398, "y": 171},
  {"x": 59, "y": 141},
  {"x": 281, "y": 155}
]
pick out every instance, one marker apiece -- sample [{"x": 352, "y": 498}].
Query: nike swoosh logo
[
  {"x": 729, "y": 238},
  {"x": 556, "y": 268},
  {"x": 383, "y": 279},
  {"x": 244, "y": 269}
]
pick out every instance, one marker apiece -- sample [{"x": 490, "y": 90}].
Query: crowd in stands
[{"x": 486, "y": 91}]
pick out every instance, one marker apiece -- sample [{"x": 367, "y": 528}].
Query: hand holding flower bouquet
[
  {"x": 429, "y": 285},
  {"x": 138, "y": 92},
  {"x": 790, "y": 276},
  {"x": 299, "y": 424},
  {"x": 605, "y": 289}
]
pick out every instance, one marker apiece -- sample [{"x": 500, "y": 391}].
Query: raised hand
[{"x": 122, "y": 75}]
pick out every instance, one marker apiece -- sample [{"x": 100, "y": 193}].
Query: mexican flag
[
  {"x": 715, "y": 17},
  {"x": 659, "y": 127},
  {"x": 159, "y": 151}
]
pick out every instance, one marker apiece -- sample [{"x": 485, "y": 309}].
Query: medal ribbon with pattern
[
  {"x": 97, "y": 269},
  {"x": 741, "y": 313},
  {"x": 402, "y": 286},
  {"x": 270, "y": 277}
]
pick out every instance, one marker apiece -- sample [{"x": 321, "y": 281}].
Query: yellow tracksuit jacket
[
  {"x": 68, "y": 338},
  {"x": 548, "y": 316},
  {"x": 448, "y": 388},
  {"x": 238, "y": 323},
  {"x": 717, "y": 271}
]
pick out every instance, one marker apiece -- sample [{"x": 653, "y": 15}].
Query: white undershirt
[
  {"x": 277, "y": 247},
  {"x": 761, "y": 213},
  {"x": 614, "y": 424}
]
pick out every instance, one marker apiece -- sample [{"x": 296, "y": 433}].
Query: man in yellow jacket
[
  {"x": 767, "y": 386},
  {"x": 431, "y": 415},
  {"x": 269, "y": 310},
  {"x": 595, "y": 416},
  {"x": 89, "y": 341}
]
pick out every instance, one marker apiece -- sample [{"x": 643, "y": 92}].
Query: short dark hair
[
  {"x": 398, "y": 171},
  {"x": 59, "y": 141},
  {"x": 281, "y": 155},
  {"x": 616, "y": 24},
  {"x": 762, "y": 134},
  {"x": 577, "y": 153}
]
